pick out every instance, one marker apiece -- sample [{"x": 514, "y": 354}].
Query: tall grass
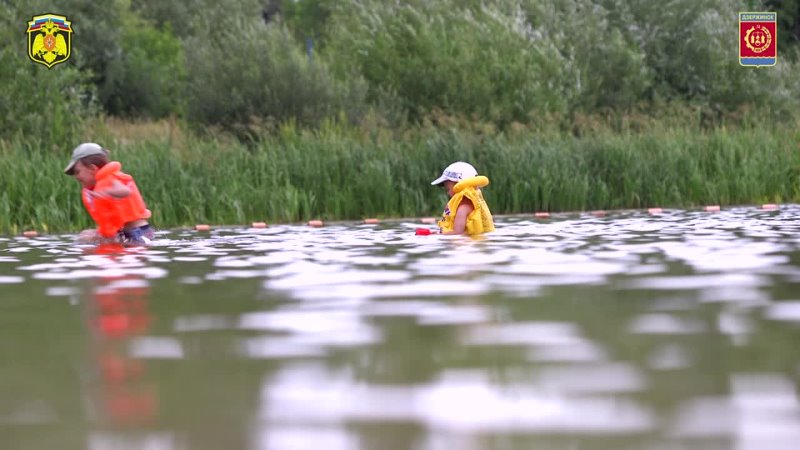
[{"x": 341, "y": 172}]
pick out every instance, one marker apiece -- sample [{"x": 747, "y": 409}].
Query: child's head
[
  {"x": 453, "y": 174},
  {"x": 86, "y": 160}
]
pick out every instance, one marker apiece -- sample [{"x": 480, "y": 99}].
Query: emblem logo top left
[{"x": 49, "y": 39}]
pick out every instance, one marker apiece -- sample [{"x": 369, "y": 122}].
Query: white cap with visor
[{"x": 456, "y": 172}]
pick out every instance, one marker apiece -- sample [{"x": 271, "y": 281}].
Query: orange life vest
[{"x": 111, "y": 214}]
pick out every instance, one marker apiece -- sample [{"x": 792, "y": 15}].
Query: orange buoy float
[
  {"x": 769, "y": 206},
  {"x": 712, "y": 208},
  {"x": 315, "y": 223},
  {"x": 371, "y": 221},
  {"x": 654, "y": 211},
  {"x": 259, "y": 225},
  {"x": 202, "y": 227},
  {"x": 30, "y": 233},
  {"x": 542, "y": 215}
]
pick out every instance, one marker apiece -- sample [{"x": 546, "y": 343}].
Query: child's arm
[
  {"x": 117, "y": 190},
  {"x": 460, "y": 222}
]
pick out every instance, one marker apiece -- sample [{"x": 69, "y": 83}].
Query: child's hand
[{"x": 88, "y": 236}]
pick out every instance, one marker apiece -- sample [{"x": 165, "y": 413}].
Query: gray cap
[{"x": 82, "y": 151}]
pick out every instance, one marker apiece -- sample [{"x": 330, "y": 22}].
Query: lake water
[{"x": 630, "y": 331}]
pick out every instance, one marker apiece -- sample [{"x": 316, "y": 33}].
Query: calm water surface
[{"x": 677, "y": 331}]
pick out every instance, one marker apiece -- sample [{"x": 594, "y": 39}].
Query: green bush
[
  {"x": 691, "y": 46},
  {"x": 480, "y": 62},
  {"x": 147, "y": 77},
  {"x": 308, "y": 18},
  {"x": 97, "y": 37},
  {"x": 604, "y": 67},
  {"x": 36, "y": 103},
  {"x": 252, "y": 76},
  {"x": 527, "y": 60}
]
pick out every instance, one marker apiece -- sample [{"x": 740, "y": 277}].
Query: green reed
[{"x": 343, "y": 173}]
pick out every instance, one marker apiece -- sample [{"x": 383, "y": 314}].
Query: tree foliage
[{"x": 243, "y": 64}]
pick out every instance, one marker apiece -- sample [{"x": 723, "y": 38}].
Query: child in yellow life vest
[
  {"x": 467, "y": 211},
  {"x": 110, "y": 196}
]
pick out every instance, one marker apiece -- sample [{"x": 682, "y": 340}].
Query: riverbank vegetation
[{"x": 233, "y": 111}]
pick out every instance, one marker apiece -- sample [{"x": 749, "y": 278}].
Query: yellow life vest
[{"x": 480, "y": 219}]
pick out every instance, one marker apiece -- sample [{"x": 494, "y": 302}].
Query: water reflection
[
  {"x": 120, "y": 398},
  {"x": 627, "y": 331}
]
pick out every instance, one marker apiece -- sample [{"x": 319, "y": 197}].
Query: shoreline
[{"x": 431, "y": 221}]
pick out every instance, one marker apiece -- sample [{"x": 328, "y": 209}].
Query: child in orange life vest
[
  {"x": 110, "y": 196},
  {"x": 467, "y": 211}
]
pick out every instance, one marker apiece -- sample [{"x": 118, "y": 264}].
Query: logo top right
[{"x": 758, "y": 39}]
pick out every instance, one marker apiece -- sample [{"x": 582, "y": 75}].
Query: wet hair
[{"x": 97, "y": 160}]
